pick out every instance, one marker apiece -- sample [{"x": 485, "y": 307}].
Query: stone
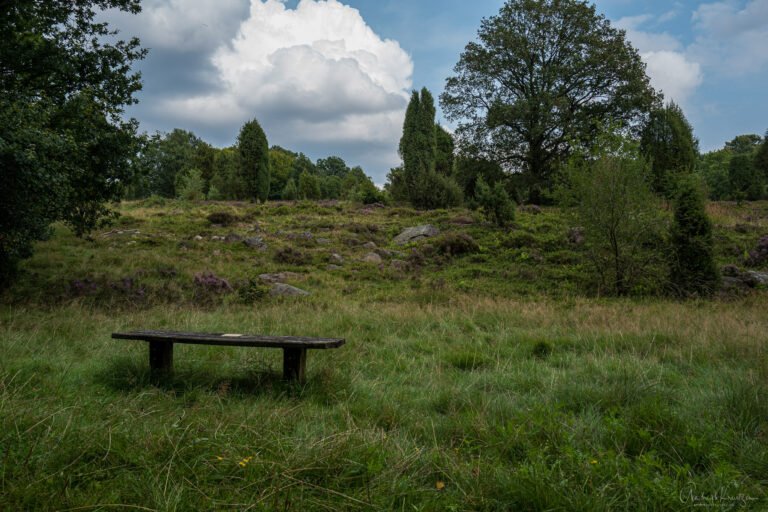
[
  {"x": 369, "y": 245},
  {"x": 400, "y": 265},
  {"x": 336, "y": 258},
  {"x": 372, "y": 257},
  {"x": 286, "y": 290},
  {"x": 576, "y": 236},
  {"x": 758, "y": 255},
  {"x": 232, "y": 238},
  {"x": 279, "y": 277},
  {"x": 416, "y": 233},
  {"x": 759, "y": 278},
  {"x": 734, "y": 277},
  {"x": 198, "y": 238},
  {"x": 217, "y": 238},
  {"x": 256, "y": 242}
]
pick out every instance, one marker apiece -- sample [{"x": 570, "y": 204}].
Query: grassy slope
[{"x": 631, "y": 404}]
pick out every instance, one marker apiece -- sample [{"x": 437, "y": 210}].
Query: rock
[
  {"x": 336, "y": 258},
  {"x": 279, "y": 277},
  {"x": 759, "y": 278},
  {"x": 759, "y": 255},
  {"x": 323, "y": 241},
  {"x": 333, "y": 267},
  {"x": 416, "y": 233},
  {"x": 372, "y": 257},
  {"x": 369, "y": 245},
  {"x": 217, "y": 253},
  {"x": 576, "y": 236},
  {"x": 400, "y": 265},
  {"x": 232, "y": 238},
  {"x": 197, "y": 238},
  {"x": 286, "y": 290},
  {"x": 533, "y": 209},
  {"x": 256, "y": 242},
  {"x": 463, "y": 220},
  {"x": 217, "y": 238},
  {"x": 299, "y": 236}
]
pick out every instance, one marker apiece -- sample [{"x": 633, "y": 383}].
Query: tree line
[{"x": 181, "y": 165}]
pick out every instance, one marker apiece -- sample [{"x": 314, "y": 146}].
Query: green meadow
[{"x": 482, "y": 370}]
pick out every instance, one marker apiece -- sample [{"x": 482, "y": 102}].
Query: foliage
[
  {"x": 395, "y": 185},
  {"x": 761, "y": 158},
  {"x": 205, "y": 158},
  {"x": 444, "y": 149},
  {"x": 332, "y": 166},
  {"x": 253, "y": 149},
  {"x": 614, "y": 204},
  {"x": 227, "y": 179},
  {"x": 667, "y": 142},
  {"x": 290, "y": 192},
  {"x": 191, "y": 186},
  {"x": 426, "y": 188},
  {"x": 495, "y": 202},
  {"x": 692, "y": 266},
  {"x": 746, "y": 182},
  {"x": 64, "y": 148},
  {"x": 468, "y": 170},
  {"x": 309, "y": 186},
  {"x": 714, "y": 169},
  {"x": 280, "y": 170},
  {"x": 540, "y": 79}
]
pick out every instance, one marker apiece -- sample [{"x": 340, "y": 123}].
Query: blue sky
[{"x": 333, "y": 77}]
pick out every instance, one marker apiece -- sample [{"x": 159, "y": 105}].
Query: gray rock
[
  {"x": 256, "y": 242},
  {"x": 372, "y": 257},
  {"x": 400, "y": 265},
  {"x": 232, "y": 238},
  {"x": 759, "y": 278},
  {"x": 286, "y": 290},
  {"x": 416, "y": 233},
  {"x": 576, "y": 236},
  {"x": 279, "y": 277},
  {"x": 197, "y": 238},
  {"x": 217, "y": 238},
  {"x": 369, "y": 245},
  {"x": 336, "y": 258}
]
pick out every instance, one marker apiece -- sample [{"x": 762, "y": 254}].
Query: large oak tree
[{"x": 542, "y": 77}]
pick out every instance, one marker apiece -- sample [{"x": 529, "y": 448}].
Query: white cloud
[
  {"x": 671, "y": 70},
  {"x": 182, "y": 25},
  {"x": 732, "y": 39},
  {"x": 316, "y": 73}
]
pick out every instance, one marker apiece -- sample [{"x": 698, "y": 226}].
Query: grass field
[{"x": 480, "y": 375}]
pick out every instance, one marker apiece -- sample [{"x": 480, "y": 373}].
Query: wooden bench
[{"x": 294, "y": 347}]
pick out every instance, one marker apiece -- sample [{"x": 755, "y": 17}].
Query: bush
[
  {"x": 190, "y": 186},
  {"x": 495, "y": 202},
  {"x": 291, "y": 256},
  {"x": 692, "y": 267},
  {"x": 222, "y": 218},
  {"x": 455, "y": 244}
]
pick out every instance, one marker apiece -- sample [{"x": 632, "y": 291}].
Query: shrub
[
  {"x": 455, "y": 244},
  {"x": 291, "y": 256},
  {"x": 209, "y": 287},
  {"x": 252, "y": 291},
  {"x": 692, "y": 266},
  {"x": 290, "y": 192},
  {"x": 495, "y": 202},
  {"x": 222, "y": 218},
  {"x": 190, "y": 186}
]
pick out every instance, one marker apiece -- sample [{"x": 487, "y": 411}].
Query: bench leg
[
  {"x": 294, "y": 363},
  {"x": 160, "y": 357}
]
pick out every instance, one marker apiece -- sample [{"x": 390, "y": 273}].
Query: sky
[{"x": 333, "y": 77}]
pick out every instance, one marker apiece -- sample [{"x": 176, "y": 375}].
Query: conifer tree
[
  {"x": 692, "y": 269},
  {"x": 254, "y": 160}
]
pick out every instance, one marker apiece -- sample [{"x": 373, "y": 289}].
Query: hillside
[{"x": 482, "y": 371}]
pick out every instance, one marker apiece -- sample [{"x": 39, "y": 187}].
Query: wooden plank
[
  {"x": 294, "y": 364},
  {"x": 232, "y": 340}
]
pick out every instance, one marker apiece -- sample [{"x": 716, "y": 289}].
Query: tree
[
  {"x": 541, "y": 79},
  {"x": 309, "y": 186},
  {"x": 746, "y": 182},
  {"x": 444, "y": 148},
  {"x": 254, "y": 160},
  {"x": 761, "y": 158},
  {"x": 227, "y": 179},
  {"x": 204, "y": 161},
  {"x": 65, "y": 150},
  {"x": 667, "y": 142},
  {"x": 280, "y": 169},
  {"x": 171, "y": 157},
  {"x": 614, "y": 204},
  {"x": 290, "y": 192},
  {"x": 418, "y": 149},
  {"x": 495, "y": 202},
  {"x": 468, "y": 170},
  {"x": 332, "y": 166},
  {"x": 692, "y": 267}
]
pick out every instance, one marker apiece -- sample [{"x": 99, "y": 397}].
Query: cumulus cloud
[
  {"x": 732, "y": 38},
  {"x": 668, "y": 65},
  {"x": 314, "y": 74}
]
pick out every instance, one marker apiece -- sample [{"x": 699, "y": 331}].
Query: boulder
[
  {"x": 336, "y": 258},
  {"x": 734, "y": 277},
  {"x": 256, "y": 242},
  {"x": 758, "y": 255},
  {"x": 286, "y": 290},
  {"x": 369, "y": 245},
  {"x": 416, "y": 233},
  {"x": 279, "y": 277},
  {"x": 576, "y": 236},
  {"x": 372, "y": 257}
]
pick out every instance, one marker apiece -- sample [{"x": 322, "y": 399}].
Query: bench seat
[{"x": 294, "y": 347}]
